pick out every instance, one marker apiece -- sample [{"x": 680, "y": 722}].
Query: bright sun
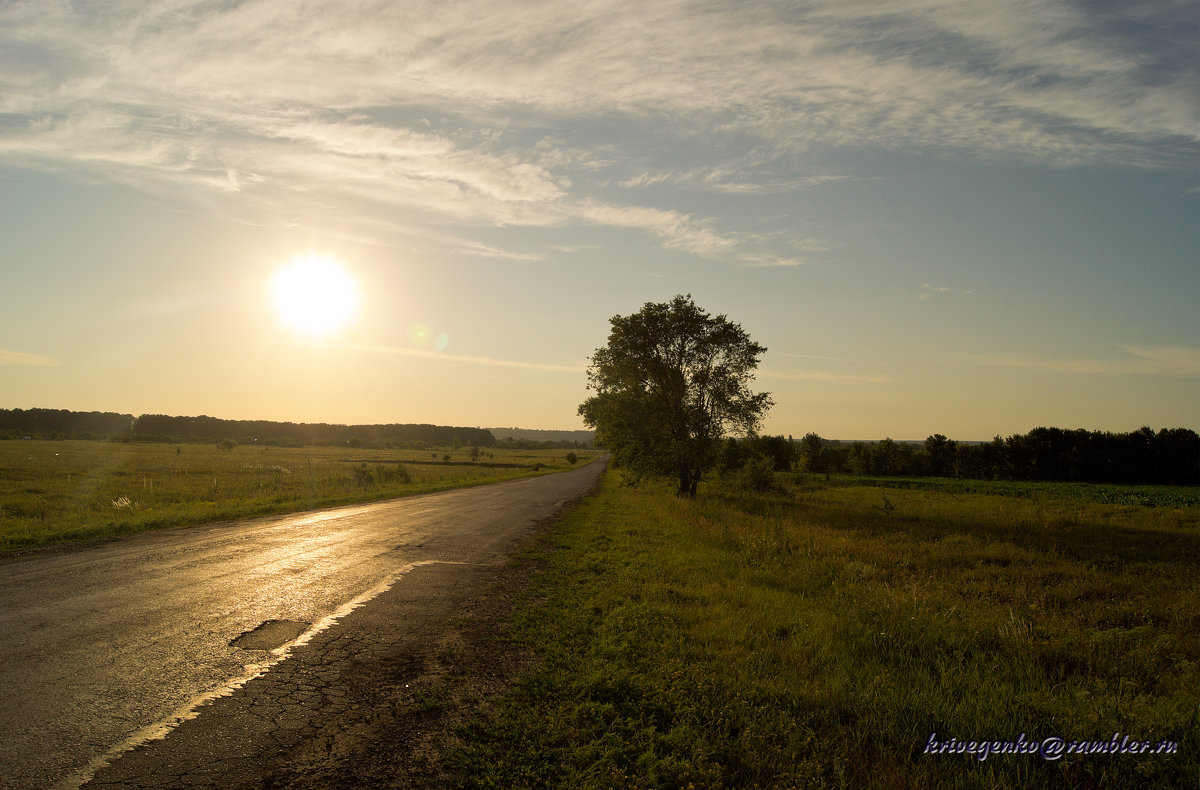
[{"x": 314, "y": 296}]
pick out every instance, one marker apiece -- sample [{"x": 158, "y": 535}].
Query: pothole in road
[{"x": 270, "y": 635}]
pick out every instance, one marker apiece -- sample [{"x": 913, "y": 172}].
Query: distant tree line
[
  {"x": 160, "y": 426},
  {"x": 514, "y": 443},
  {"x": 52, "y": 423},
  {"x": 540, "y": 437},
  {"x": 1170, "y": 456},
  {"x": 60, "y": 423}
]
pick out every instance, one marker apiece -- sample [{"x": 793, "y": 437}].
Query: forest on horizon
[{"x": 1169, "y": 456}]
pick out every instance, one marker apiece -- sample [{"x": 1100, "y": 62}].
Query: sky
[{"x": 939, "y": 216}]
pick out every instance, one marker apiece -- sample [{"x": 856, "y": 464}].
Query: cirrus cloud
[
  {"x": 21, "y": 359},
  {"x": 1173, "y": 361},
  {"x": 508, "y": 114}
]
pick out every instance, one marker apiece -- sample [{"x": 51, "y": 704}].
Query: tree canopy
[{"x": 672, "y": 381}]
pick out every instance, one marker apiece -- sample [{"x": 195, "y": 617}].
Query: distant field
[
  {"x": 61, "y": 491},
  {"x": 820, "y": 636}
]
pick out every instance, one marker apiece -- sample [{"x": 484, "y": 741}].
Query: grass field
[
  {"x": 1100, "y": 493},
  {"x": 61, "y": 491},
  {"x": 822, "y": 635}
]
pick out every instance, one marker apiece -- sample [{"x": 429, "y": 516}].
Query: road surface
[{"x": 106, "y": 647}]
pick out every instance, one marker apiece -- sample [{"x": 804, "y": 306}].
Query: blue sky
[{"x": 939, "y": 216}]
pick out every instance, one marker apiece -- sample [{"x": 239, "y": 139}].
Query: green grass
[
  {"x": 62, "y": 491},
  {"x": 818, "y": 637},
  {"x": 1101, "y": 493}
]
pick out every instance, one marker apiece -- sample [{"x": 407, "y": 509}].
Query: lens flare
[{"x": 420, "y": 335}]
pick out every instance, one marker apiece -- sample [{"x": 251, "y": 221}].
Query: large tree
[{"x": 670, "y": 383}]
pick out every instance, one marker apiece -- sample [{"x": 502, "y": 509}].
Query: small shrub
[
  {"x": 389, "y": 474},
  {"x": 758, "y": 473},
  {"x": 572, "y": 458},
  {"x": 363, "y": 477}
]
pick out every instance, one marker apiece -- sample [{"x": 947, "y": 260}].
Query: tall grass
[
  {"x": 58, "y": 491},
  {"x": 820, "y": 636}
]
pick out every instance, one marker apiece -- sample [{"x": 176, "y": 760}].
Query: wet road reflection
[{"x": 104, "y": 642}]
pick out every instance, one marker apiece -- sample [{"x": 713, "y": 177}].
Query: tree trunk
[
  {"x": 688, "y": 480},
  {"x": 687, "y": 486}
]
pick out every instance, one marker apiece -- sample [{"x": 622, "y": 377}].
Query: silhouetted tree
[
  {"x": 836, "y": 458},
  {"x": 940, "y": 454},
  {"x": 670, "y": 383},
  {"x": 812, "y": 451},
  {"x": 777, "y": 448},
  {"x": 732, "y": 456}
]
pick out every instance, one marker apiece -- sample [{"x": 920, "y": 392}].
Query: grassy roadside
[
  {"x": 63, "y": 491},
  {"x": 819, "y": 636}
]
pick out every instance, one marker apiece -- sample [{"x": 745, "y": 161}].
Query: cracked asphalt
[
  {"x": 320, "y": 704},
  {"x": 184, "y": 634}
]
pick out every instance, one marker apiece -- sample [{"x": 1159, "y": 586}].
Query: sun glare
[{"x": 314, "y": 296}]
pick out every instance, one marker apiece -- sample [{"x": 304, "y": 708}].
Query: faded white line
[{"x": 192, "y": 709}]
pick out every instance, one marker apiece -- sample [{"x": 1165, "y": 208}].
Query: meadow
[
  {"x": 1100, "y": 493},
  {"x": 63, "y": 491},
  {"x": 834, "y": 634}
]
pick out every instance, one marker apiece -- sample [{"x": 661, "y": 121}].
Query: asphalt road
[{"x": 109, "y": 646}]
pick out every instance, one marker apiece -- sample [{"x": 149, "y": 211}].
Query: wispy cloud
[
  {"x": 1174, "y": 361},
  {"x": 739, "y": 179},
  {"x": 817, "y": 356},
  {"x": 20, "y": 359},
  {"x": 502, "y": 113},
  {"x": 485, "y": 251},
  {"x": 765, "y": 262},
  {"x": 929, "y": 291},
  {"x": 570, "y": 248},
  {"x": 466, "y": 359},
  {"x": 825, "y": 375},
  {"x": 733, "y": 179},
  {"x": 678, "y": 231}
]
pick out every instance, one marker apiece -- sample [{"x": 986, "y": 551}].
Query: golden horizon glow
[{"x": 314, "y": 296}]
